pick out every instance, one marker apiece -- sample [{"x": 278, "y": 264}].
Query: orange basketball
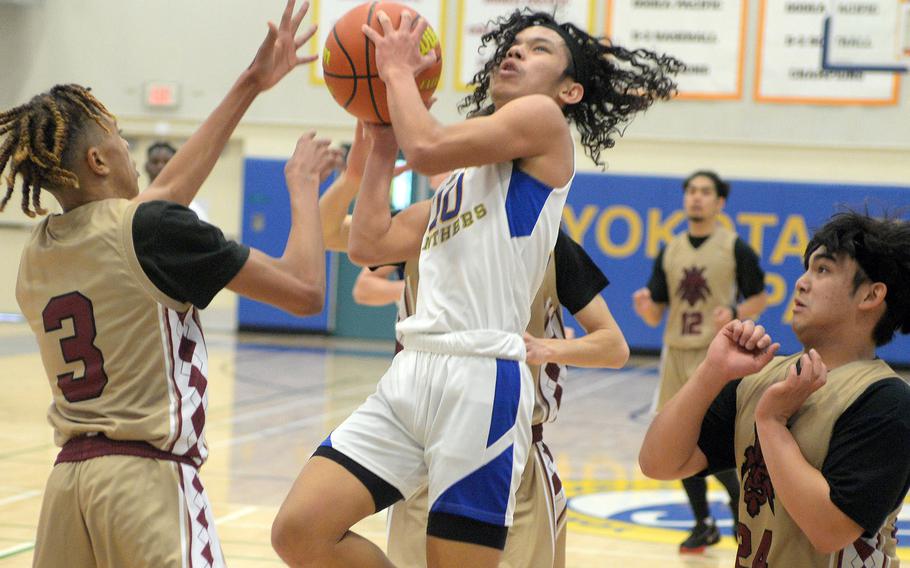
[{"x": 349, "y": 62}]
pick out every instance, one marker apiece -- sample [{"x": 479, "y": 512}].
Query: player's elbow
[
  {"x": 826, "y": 544},
  {"x": 363, "y": 253},
  {"x": 619, "y": 355},
  {"x": 653, "y": 463},
  {"x": 829, "y": 539},
  {"x": 308, "y": 300},
  {"x": 424, "y": 157}
]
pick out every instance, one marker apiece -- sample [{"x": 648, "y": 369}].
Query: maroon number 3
[{"x": 78, "y": 347}]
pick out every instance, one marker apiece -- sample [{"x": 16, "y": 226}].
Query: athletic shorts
[
  {"x": 120, "y": 510},
  {"x": 676, "y": 366},
  {"x": 458, "y": 425},
  {"x": 536, "y": 538}
]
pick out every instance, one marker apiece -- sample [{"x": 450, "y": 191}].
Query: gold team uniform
[
  {"x": 536, "y": 538},
  {"x": 848, "y": 430},
  {"x": 695, "y": 276},
  {"x": 109, "y": 290}
]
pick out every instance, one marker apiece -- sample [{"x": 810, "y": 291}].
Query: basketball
[{"x": 349, "y": 62}]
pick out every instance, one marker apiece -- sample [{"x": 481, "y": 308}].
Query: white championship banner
[
  {"x": 789, "y": 68},
  {"x": 707, "y": 35}
]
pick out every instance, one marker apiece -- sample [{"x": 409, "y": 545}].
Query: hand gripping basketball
[{"x": 352, "y": 65}]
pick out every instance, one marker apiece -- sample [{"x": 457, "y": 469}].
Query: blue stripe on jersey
[
  {"x": 524, "y": 202},
  {"x": 327, "y": 442},
  {"x": 483, "y": 495},
  {"x": 505, "y": 400}
]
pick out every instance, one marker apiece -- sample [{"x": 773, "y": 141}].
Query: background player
[
  {"x": 156, "y": 157},
  {"x": 700, "y": 275},
  {"x": 821, "y": 439},
  {"x": 483, "y": 257},
  {"x": 110, "y": 289}
]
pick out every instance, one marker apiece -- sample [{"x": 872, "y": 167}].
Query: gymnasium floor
[{"x": 273, "y": 399}]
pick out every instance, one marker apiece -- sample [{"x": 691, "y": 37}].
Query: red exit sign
[{"x": 162, "y": 95}]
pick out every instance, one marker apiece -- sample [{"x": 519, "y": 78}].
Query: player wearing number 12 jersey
[
  {"x": 111, "y": 288},
  {"x": 698, "y": 278}
]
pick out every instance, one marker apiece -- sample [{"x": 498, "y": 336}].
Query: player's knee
[{"x": 292, "y": 541}]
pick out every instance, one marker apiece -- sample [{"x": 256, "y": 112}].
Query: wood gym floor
[{"x": 273, "y": 399}]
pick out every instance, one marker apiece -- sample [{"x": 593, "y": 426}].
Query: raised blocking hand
[{"x": 277, "y": 56}]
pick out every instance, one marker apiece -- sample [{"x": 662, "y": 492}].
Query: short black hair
[
  {"x": 722, "y": 187},
  {"x": 160, "y": 145},
  {"x": 881, "y": 248}
]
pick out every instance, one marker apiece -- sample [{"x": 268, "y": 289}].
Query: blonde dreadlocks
[{"x": 39, "y": 137}]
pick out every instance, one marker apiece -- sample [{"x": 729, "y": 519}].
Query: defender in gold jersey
[
  {"x": 821, "y": 439},
  {"x": 111, "y": 288},
  {"x": 699, "y": 278}
]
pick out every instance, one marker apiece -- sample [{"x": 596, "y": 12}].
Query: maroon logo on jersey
[
  {"x": 693, "y": 287},
  {"x": 757, "y": 489}
]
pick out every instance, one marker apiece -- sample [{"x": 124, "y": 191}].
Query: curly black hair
[
  {"x": 881, "y": 248},
  {"x": 617, "y": 82}
]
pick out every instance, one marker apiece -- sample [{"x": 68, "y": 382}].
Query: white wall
[{"x": 115, "y": 46}]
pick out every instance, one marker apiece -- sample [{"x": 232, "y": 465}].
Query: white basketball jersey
[{"x": 491, "y": 230}]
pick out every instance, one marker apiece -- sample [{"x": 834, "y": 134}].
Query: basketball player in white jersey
[
  {"x": 454, "y": 410},
  {"x": 537, "y": 537}
]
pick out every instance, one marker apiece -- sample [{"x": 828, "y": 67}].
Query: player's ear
[
  {"x": 96, "y": 162},
  {"x": 571, "y": 93},
  {"x": 874, "y": 295}
]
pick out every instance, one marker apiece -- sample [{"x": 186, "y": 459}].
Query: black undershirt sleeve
[
  {"x": 187, "y": 259},
  {"x": 578, "y": 279},
  {"x": 868, "y": 461},
  {"x": 716, "y": 439},
  {"x": 750, "y": 278},
  {"x": 658, "y": 282}
]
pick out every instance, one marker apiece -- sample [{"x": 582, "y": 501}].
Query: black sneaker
[{"x": 703, "y": 535}]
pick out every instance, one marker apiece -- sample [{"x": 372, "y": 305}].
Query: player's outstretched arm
[
  {"x": 603, "y": 344},
  {"x": 528, "y": 127},
  {"x": 376, "y": 237},
  {"x": 670, "y": 449},
  {"x": 373, "y": 287},
  {"x": 335, "y": 201},
  {"x": 277, "y": 56},
  {"x": 296, "y": 281}
]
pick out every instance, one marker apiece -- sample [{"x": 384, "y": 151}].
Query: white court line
[
  {"x": 597, "y": 383},
  {"x": 299, "y": 402},
  {"x": 13, "y": 550},
  {"x": 236, "y": 515},
  {"x": 19, "y": 497},
  {"x": 282, "y": 429}
]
